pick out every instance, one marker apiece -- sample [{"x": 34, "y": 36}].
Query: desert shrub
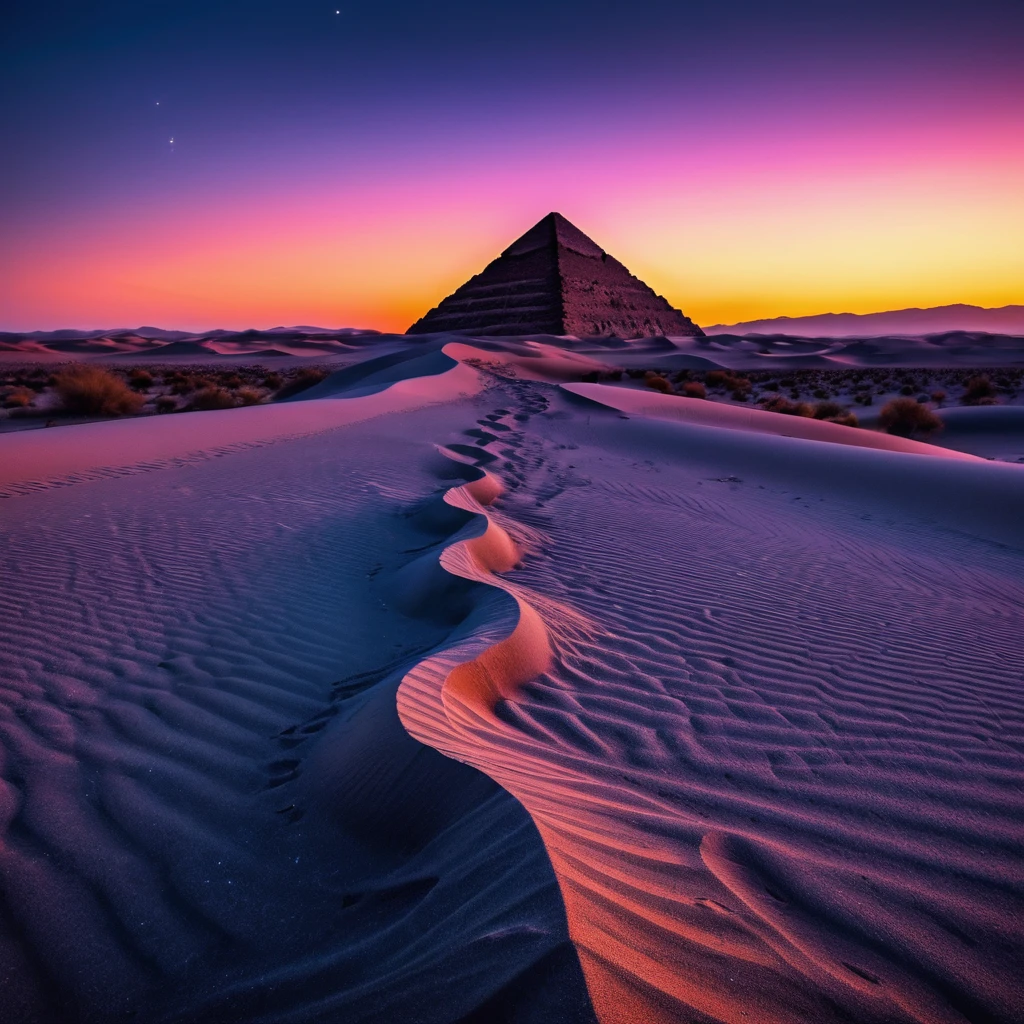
[
  {"x": 140, "y": 380},
  {"x": 212, "y": 397},
  {"x": 694, "y": 389},
  {"x": 93, "y": 391},
  {"x": 777, "y": 403},
  {"x": 828, "y": 410},
  {"x": 613, "y": 375},
  {"x": 232, "y": 381},
  {"x": 821, "y": 393},
  {"x": 311, "y": 375},
  {"x": 715, "y": 378},
  {"x": 19, "y": 398},
  {"x": 938, "y": 396},
  {"x": 249, "y": 396},
  {"x": 740, "y": 395},
  {"x": 979, "y": 391},
  {"x": 273, "y": 381},
  {"x": 848, "y": 419},
  {"x": 907, "y": 389},
  {"x": 166, "y": 404},
  {"x": 864, "y": 398},
  {"x": 658, "y": 384},
  {"x": 906, "y": 417}
]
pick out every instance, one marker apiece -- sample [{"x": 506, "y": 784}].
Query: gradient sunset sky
[{"x": 197, "y": 165}]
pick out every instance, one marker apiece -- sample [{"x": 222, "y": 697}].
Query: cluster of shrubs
[
  {"x": 739, "y": 388},
  {"x": 831, "y": 412},
  {"x": 19, "y": 387},
  {"x": 907, "y": 417},
  {"x": 866, "y": 384},
  {"x": 813, "y": 392},
  {"x": 86, "y": 389}
]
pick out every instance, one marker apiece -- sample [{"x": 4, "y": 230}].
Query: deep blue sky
[{"x": 259, "y": 96}]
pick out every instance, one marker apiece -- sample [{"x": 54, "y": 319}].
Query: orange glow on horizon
[{"x": 728, "y": 235}]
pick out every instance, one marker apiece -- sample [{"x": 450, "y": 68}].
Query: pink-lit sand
[{"x": 737, "y": 698}]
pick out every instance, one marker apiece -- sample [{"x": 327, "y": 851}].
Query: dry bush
[
  {"x": 716, "y": 378},
  {"x": 658, "y": 384},
  {"x": 93, "y": 391},
  {"x": 694, "y": 389},
  {"x": 179, "y": 383},
  {"x": 848, "y": 419},
  {"x": 212, "y": 397},
  {"x": 906, "y": 417},
  {"x": 828, "y": 410},
  {"x": 302, "y": 381},
  {"x": 979, "y": 391},
  {"x": 938, "y": 396},
  {"x": 249, "y": 396},
  {"x": 778, "y": 403},
  {"x": 273, "y": 381},
  {"x": 19, "y": 398},
  {"x": 140, "y": 379},
  {"x": 166, "y": 404}
]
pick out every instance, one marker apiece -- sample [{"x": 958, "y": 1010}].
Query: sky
[{"x": 204, "y": 164}]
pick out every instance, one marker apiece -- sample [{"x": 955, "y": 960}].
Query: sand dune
[
  {"x": 449, "y": 694},
  {"x": 761, "y": 795},
  {"x": 702, "y": 413}
]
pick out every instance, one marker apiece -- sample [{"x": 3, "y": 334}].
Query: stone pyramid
[{"x": 555, "y": 280}]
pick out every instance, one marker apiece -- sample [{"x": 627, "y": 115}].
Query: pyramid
[{"x": 555, "y": 280}]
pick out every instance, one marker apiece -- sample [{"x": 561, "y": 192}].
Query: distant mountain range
[{"x": 915, "y": 322}]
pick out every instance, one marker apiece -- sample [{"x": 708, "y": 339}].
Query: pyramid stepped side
[
  {"x": 556, "y": 280},
  {"x": 601, "y": 297},
  {"x": 518, "y": 293}
]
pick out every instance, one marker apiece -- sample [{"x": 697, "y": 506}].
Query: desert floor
[{"x": 455, "y": 690}]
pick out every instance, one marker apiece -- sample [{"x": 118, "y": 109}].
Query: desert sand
[{"x": 455, "y": 690}]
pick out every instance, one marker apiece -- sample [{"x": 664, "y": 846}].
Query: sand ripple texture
[
  {"x": 763, "y": 699},
  {"x": 209, "y": 811}
]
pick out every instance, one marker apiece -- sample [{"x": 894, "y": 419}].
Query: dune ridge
[{"x": 752, "y": 823}]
